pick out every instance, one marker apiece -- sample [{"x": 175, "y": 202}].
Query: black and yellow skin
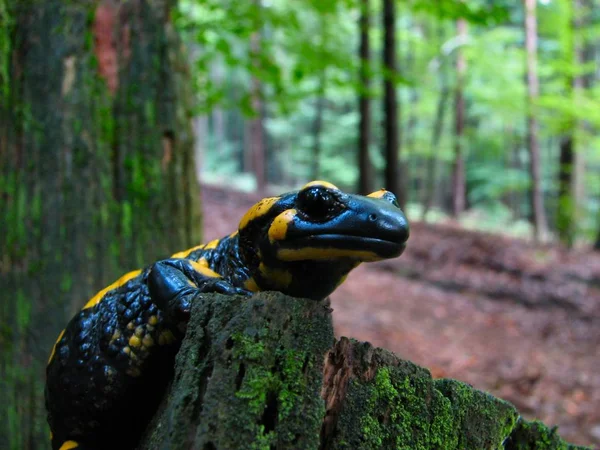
[{"x": 109, "y": 367}]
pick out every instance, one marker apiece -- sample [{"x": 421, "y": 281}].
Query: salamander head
[{"x": 304, "y": 243}]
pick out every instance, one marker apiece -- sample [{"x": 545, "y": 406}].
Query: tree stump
[{"x": 268, "y": 373}]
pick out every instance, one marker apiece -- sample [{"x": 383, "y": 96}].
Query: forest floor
[{"x": 517, "y": 320}]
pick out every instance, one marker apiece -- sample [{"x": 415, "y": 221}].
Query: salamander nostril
[{"x": 372, "y": 217}]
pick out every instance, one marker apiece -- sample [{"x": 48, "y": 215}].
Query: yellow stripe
[
  {"x": 279, "y": 278},
  {"x": 315, "y": 253},
  {"x": 120, "y": 282},
  {"x": 212, "y": 244},
  {"x": 204, "y": 270},
  {"x": 259, "y": 209},
  {"x": 69, "y": 445},
  {"x": 54, "y": 347},
  {"x": 186, "y": 253},
  {"x": 326, "y": 184}
]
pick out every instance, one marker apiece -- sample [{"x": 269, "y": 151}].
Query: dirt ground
[{"x": 517, "y": 320}]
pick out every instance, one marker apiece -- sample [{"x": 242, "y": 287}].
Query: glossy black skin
[{"x": 103, "y": 382}]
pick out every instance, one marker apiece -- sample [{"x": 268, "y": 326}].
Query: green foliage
[{"x": 308, "y": 51}]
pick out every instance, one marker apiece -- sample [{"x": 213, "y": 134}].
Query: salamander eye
[
  {"x": 391, "y": 198},
  {"x": 317, "y": 202}
]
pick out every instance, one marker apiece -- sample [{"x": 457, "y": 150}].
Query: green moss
[{"x": 536, "y": 436}]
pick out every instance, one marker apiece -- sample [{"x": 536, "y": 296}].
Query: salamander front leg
[{"x": 173, "y": 284}]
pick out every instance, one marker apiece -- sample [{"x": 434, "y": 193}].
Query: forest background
[{"x": 479, "y": 115}]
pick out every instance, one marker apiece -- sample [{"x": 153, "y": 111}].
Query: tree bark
[
  {"x": 393, "y": 182},
  {"x": 267, "y": 372},
  {"x": 458, "y": 171},
  {"x": 97, "y": 174},
  {"x": 536, "y": 198},
  {"x": 365, "y": 169}
]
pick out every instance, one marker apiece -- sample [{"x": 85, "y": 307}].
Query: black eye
[{"x": 317, "y": 202}]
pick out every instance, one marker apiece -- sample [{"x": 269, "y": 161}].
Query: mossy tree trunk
[
  {"x": 267, "y": 373},
  {"x": 96, "y": 173}
]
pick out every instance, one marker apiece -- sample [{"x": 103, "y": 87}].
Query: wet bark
[{"x": 97, "y": 174}]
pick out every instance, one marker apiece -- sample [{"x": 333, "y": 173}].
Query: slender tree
[
  {"x": 565, "y": 220},
  {"x": 390, "y": 104},
  {"x": 536, "y": 200},
  {"x": 438, "y": 127},
  {"x": 458, "y": 172},
  {"x": 256, "y": 138},
  {"x": 365, "y": 178},
  {"x": 318, "y": 125}
]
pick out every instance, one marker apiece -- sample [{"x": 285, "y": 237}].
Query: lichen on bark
[{"x": 267, "y": 373}]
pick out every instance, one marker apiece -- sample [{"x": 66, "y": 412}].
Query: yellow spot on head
[
  {"x": 139, "y": 331},
  {"x": 55, "y": 344},
  {"x": 326, "y": 184},
  {"x": 278, "y": 228},
  {"x": 135, "y": 341},
  {"x": 315, "y": 253},
  {"x": 251, "y": 285},
  {"x": 186, "y": 253},
  {"x": 378, "y": 194},
  {"x": 120, "y": 282},
  {"x": 127, "y": 350},
  {"x": 153, "y": 320},
  {"x": 69, "y": 445},
  {"x": 279, "y": 278},
  {"x": 130, "y": 326},
  {"x": 259, "y": 209}
]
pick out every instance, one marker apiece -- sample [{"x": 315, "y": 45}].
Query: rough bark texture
[
  {"x": 266, "y": 372},
  {"x": 95, "y": 142}
]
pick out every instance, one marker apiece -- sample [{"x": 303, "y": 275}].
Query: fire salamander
[{"x": 110, "y": 365}]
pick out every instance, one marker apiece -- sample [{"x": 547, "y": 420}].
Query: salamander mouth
[{"x": 337, "y": 246}]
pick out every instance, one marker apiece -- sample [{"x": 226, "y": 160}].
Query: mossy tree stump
[{"x": 267, "y": 372}]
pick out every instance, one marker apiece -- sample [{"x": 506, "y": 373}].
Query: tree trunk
[
  {"x": 565, "y": 220},
  {"x": 393, "y": 182},
  {"x": 97, "y": 174},
  {"x": 438, "y": 127},
  {"x": 267, "y": 372},
  {"x": 536, "y": 198},
  {"x": 458, "y": 171},
  {"x": 257, "y": 130},
  {"x": 365, "y": 169}
]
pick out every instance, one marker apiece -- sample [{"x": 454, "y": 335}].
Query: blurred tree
[
  {"x": 97, "y": 174},
  {"x": 565, "y": 220},
  {"x": 393, "y": 181},
  {"x": 318, "y": 125},
  {"x": 458, "y": 173},
  {"x": 538, "y": 216},
  {"x": 255, "y": 151},
  {"x": 365, "y": 170}
]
